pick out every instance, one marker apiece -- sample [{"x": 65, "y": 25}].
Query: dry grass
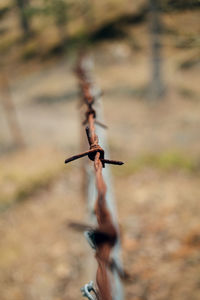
[
  {"x": 27, "y": 171},
  {"x": 172, "y": 161}
]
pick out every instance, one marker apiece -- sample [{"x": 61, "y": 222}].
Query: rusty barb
[
  {"x": 87, "y": 97},
  {"x": 105, "y": 236},
  {"x": 91, "y": 153}
]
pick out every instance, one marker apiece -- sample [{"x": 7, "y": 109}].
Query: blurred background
[{"x": 147, "y": 61}]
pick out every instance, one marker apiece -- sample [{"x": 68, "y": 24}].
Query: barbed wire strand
[
  {"x": 105, "y": 236},
  {"x": 117, "y": 270}
]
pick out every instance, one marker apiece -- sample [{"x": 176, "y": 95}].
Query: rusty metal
[
  {"x": 105, "y": 236},
  {"x": 94, "y": 149},
  {"x": 94, "y": 237},
  {"x": 87, "y": 97}
]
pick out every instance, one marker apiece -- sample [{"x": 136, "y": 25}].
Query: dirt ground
[{"x": 158, "y": 205}]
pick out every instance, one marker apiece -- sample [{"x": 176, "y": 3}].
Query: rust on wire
[
  {"x": 105, "y": 234},
  {"x": 87, "y": 97},
  {"x": 94, "y": 149}
]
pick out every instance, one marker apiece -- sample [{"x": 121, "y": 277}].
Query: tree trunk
[
  {"x": 25, "y": 25},
  {"x": 157, "y": 88},
  {"x": 11, "y": 113}
]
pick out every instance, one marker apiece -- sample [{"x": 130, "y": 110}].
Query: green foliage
[
  {"x": 30, "y": 50},
  {"x": 58, "y": 9},
  {"x": 179, "y": 4},
  {"x": 7, "y": 43},
  {"x": 189, "y": 63},
  {"x": 4, "y": 11},
  {"x": 188, "y": 93}
]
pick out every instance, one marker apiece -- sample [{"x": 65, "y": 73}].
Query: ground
[{"x": 157, "y": 190}]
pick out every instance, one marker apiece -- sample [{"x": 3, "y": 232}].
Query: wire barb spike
[
  {"x": 88, "y": 287},
  {"x": 91, "y": 153}
]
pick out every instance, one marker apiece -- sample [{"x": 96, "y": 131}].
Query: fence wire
[{"x": 104, "y": 238}]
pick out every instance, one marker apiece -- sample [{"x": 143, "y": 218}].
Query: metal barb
[
  {"x": 89, "y": 235},
  {"x": 91, "y": 153},
  {"x": 101, "y": 124},
  {"x": 97, "y": 123},
  {"x": 113, "y": 162},
  {"x": 88, "y": 287}
]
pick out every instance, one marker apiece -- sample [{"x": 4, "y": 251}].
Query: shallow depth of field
[{"x": 157, "y": 189}]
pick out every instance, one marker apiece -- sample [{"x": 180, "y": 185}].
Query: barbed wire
[{"x": 105, "y": 236}]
